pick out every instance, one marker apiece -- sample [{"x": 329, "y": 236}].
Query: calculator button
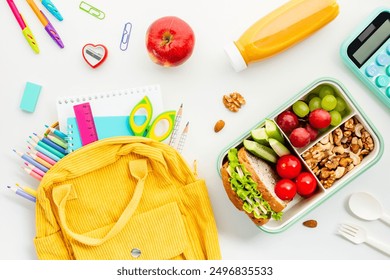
[
  {"x": 382, "y": 81},
  {"x": 372, "y": 70},
  {"x": 388, "y": 92},
  {"x": 388, "y": 70},
  {"x": 383, "y": 59}
]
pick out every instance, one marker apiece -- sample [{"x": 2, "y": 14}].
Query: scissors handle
[
  {"x": 140, "y": 129},
  {"x": 148, "y": 128},
  {"x": 168, "y": 116}
]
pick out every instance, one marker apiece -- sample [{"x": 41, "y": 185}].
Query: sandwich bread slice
[{"x": 249, "y": 183}]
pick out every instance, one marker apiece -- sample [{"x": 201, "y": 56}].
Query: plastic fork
[{"x": 358, "y": 235}]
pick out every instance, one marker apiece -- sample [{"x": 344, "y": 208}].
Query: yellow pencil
[{"x": 28, "y": 190}]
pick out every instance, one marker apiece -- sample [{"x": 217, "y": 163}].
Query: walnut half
[
  {"x": 233, "y": 101},
  {"x": 339, "y": 152}
]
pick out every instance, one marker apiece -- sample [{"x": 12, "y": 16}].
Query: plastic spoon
[{"x": 366, "y": 207}]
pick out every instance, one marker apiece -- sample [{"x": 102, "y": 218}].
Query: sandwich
[{"x": 249, "y": 182}]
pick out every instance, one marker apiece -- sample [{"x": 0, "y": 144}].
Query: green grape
[
  {"x": 310, "y": 96},
  {"x": 335, "y": 118},
  {"x": 341, "y": 105},
  {"x": 315, "y": 103},
  {"x": 329, "y": 102},
  {"x": 326, "y": 90},
  {"x": 300, "y": 108}
]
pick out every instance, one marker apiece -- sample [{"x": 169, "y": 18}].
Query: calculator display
[{"x": 370, "y": 40}]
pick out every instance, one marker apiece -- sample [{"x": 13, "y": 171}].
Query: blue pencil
[
  {"x": 44, "y": 151},
  {"x": 32, "y": 161},
  {"x": 50, "y": 143},
  {"x": 60, "y": 134},
  {"x": 47, "y": 141},
  {"x": 22, "y": 193}
]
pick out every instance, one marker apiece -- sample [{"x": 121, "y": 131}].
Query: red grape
[
  {"x": 287, "y": 121},
  {"x": 300, "y": 137},
  {"x": 319, "y": 118}
]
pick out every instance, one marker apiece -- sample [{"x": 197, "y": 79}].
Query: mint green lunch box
[{"x": 337, "y": 156}]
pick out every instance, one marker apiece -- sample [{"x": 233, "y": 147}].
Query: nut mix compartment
[{"x": 299, "y": 156}]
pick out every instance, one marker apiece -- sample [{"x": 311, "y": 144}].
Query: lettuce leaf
[{"x": 246, "y": 188}]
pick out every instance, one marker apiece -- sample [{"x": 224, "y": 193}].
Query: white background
[{"x": 199, "y": 84}]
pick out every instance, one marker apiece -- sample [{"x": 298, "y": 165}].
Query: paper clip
[
  {"x": 125, "y": 36},
  {"x": 92, "y": 10}
]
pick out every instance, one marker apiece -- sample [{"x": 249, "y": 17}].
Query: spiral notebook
[
  {"x": 110, "y": 110},
  {"x": 105, "y": 127}
]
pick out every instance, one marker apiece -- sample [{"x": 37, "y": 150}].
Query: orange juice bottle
[{"x": 279, "y": 30}]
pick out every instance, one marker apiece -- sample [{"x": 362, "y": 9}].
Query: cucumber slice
[
  {"x": 261, "y": 151},
  {"x": 260, "y": 136},
  {"x": 278, "y": 147},
  {"x": 273, "y": 131}
]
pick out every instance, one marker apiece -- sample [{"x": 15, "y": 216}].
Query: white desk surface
[{"x": 199, "y": 84}]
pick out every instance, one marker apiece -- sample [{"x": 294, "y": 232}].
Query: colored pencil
[
  {"x": 58, "y": 141},
  {"x": 57, "y": 132},
  {"x": 28, "y": 190},
  {"x": 52, "y": 144},
  {"x": 32, "y": 173},
  {"x": 32, "y": 161},
  {"x": 41, "y": 158},
  {"x": 35, "y": 169},
  {"x": 22, "y": 193},
  {"x": 44, "y": 151},
  {"x": 47, "y": 147}
]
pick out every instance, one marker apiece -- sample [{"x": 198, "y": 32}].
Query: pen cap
[{"x": 235, "y": 57}]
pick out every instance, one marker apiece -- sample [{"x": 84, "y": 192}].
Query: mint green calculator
[{"x": 367, "y": 53}]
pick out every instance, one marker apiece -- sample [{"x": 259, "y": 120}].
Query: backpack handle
[{"x": 139, "y": 169}]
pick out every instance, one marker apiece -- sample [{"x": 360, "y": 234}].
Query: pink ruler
[{"x": 85, "y": 123}]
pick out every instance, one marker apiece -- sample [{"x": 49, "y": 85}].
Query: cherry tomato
[
  {"x": 306, "y": 184},
  {"x": 288, "y": 166},
  {"x": 285, "y": 189}
]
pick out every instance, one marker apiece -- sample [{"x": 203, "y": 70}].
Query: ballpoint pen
[
  {"x": 46, "y": 23},
  {"x": 52, "y": 9},
  {"x": 25, "y": 29}
]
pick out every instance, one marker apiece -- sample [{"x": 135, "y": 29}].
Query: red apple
[{"x": 170, "y": 41}]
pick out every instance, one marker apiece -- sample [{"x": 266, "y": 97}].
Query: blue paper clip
[
  {"x": 52, "y": 9},
  {"x": 92, "y": 10},
  {"x": 125, "y": 36}
]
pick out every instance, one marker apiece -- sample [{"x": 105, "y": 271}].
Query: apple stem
[{"x": 166, "y": 39}]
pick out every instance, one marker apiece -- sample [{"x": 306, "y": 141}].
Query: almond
[
  {"x": 310, "y": 223},
  {"x": 219, "y": 125}
]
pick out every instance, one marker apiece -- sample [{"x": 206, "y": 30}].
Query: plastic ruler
[{"x": 85, "y": 123}]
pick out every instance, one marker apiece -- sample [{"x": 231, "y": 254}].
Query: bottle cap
[{"x": 236, "y": 59}]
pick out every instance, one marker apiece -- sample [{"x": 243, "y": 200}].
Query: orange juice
[{"x": 279, "y": 30}]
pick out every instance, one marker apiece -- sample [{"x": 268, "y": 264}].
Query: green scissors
[{"x": 148, "y": 127}]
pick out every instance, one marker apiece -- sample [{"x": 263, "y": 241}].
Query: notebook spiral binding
[{"x": 110, "y": 94}]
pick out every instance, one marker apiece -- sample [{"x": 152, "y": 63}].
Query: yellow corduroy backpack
[{"x": 124, "y": 198}]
